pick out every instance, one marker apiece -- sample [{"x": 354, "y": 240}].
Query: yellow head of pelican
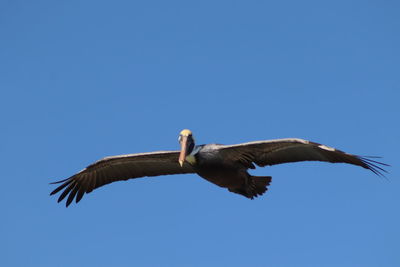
[{"x": 185, "y": 138}]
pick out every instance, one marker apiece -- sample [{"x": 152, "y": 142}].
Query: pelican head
[{"x": 187, "y": 144}]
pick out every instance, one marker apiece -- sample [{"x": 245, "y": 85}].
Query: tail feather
[{"x": 256, "y": 186}]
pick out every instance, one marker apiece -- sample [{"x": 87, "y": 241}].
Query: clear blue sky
[{"x": 81, "y": 80}]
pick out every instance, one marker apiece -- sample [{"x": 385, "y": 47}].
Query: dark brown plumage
[
  {"x": 223, "y": 165},
  {"x": 120, "y": 168}
]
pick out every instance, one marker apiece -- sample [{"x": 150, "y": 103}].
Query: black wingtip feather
[
  {"x": 67, "y": 182},
  {"x": 80, "y": 194},
  {"x": 72, "y": 195},
  {"x": 374, "y": 166},
  {"x": 66, "y": 192},
  {"x": 58, "y": 182}
]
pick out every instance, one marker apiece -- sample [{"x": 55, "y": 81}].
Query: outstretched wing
[
  {"x": 119, "y": 168},
  {"x": 271, "y": 152}
]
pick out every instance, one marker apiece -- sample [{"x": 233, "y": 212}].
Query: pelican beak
[{"x": 182, "y": 155}]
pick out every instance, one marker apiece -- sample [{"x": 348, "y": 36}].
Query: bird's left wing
[
  {"x": 271, "y": 152},
  {"x": 119, "y": 168}
]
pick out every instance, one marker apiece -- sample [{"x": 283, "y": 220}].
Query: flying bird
[{"x": 223, "y": 165}]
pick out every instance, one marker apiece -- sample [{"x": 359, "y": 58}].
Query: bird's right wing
[
  {"x": 119, "y": 168},
  {"x": 271, "y": 152}
]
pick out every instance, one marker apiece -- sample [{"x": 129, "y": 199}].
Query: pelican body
[
  {"x": 224, "y": 165},
  {"x": 209, "y": 162}
]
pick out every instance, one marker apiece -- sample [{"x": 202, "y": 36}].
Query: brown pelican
[{"x": 223, "y": 165}]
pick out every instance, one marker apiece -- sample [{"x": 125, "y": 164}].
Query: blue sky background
[{"x": 81, "y": 80}]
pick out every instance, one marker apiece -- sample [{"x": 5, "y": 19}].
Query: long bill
[{"x": 182, "y": 155}]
